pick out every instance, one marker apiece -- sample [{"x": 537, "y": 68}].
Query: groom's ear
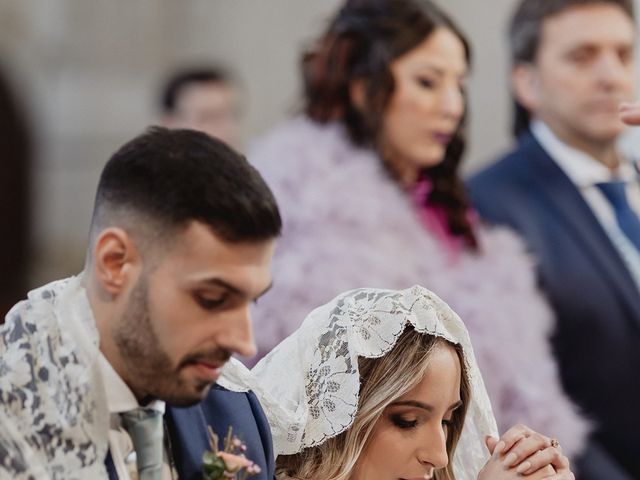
[{"x": 116, "y": 260}]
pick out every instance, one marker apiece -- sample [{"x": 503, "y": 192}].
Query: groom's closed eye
[{"x": 211, "y": 302}]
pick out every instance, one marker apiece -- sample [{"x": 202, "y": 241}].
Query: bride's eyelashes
[{"x": 402, "y": 422}]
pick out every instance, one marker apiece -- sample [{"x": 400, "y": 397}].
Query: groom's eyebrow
[
  {"x": 218, "y": 282},
  {"x": 423, "y": 406},
  {"x": 233, "y": 289}
]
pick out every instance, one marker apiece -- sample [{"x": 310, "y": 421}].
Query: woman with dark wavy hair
[{"x": 368, "y": 184}]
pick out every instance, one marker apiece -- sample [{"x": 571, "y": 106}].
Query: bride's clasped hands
[{"x": 523, "y": 453}]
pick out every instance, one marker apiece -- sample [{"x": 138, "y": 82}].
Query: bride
[{"x": 381, "y": 384}]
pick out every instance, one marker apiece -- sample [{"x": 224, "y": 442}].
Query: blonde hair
[{"x": 383, "y": 381}]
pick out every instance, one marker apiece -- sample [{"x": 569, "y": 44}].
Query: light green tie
[{"x": 145, "y": 427}]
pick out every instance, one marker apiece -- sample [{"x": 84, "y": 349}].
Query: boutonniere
[{"x": 230, "y": 463}]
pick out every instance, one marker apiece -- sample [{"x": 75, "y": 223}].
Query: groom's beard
[{"x": 150, "y": 370}]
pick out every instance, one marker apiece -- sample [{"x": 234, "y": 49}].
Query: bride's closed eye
[{"x": 403, "y": 422}]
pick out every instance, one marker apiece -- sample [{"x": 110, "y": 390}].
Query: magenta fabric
[{"x": 434, "y": 219}]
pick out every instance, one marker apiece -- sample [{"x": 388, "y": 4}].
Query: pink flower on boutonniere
[{"x": 230, "y": 463}]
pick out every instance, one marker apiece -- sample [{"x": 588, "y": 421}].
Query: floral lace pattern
[
  {"x": 309, "y": 384},
  {"x": 49, "y": 391}
]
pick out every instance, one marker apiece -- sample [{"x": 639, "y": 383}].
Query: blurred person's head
[
  {"x": 393, "y": 72},
  {"x": 205, "y": 99},
  {"x": 572, "y": 65},
  {"x": 181, "y": 242}
]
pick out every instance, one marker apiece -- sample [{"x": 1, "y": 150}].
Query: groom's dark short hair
[{"x": 169, "y": 178}]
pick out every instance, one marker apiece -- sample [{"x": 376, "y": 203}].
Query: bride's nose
[{"x": 432, "y": 450}]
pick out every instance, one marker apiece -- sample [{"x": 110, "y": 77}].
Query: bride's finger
[
  {"x": 491, "y": 443},
  {"x": 561, "y": 476},
  {"x": 549, "y": 456},
  {"x": 515, "y": 434},
  {"x": 525, "y": 448}
]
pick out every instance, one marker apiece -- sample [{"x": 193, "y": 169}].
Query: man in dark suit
[
  {"x": 575, "y": 199},
  {"x": 181, "y": 241}
]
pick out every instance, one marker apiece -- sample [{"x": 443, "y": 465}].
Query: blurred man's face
[
  {"x": 584, "y": 68},
  {"x": 211, "y": 107}
]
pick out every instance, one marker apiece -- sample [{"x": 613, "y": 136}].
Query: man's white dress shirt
[
  {"x": 585, "y": 172},
  {"x": 121, "y": 399}
]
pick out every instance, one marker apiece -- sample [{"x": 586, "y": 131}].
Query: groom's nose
[{"x": 237, "y": 337}]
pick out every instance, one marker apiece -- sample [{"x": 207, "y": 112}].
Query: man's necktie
[
  {"x": 145, "y": 427},
  {"x": 627, "y": 219}
]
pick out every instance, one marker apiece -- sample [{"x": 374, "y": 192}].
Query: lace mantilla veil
[{"x": 309, "y": 384}]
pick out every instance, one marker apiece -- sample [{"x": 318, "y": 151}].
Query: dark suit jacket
[
  {"x": 597, "y": 305},
  {"x": 221, "y": 409}
]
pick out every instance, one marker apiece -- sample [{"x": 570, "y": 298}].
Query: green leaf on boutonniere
[
  {"x": 228, "y": 464},
  {"x": 212, "y": 466}
]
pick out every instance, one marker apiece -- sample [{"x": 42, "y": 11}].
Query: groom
[{"x": 113, "y": 372}]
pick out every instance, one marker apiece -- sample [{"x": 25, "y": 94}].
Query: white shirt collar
[
  {"x": 120, "y": 398},
  {"x": 582, "y": 169}
]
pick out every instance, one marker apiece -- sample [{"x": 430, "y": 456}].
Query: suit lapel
[
  {"x": 565, "y": 199},
  {"x": 189, "y": 439}
]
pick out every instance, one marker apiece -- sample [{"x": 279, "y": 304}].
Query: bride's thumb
[{"x": 491, "y": 443}]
